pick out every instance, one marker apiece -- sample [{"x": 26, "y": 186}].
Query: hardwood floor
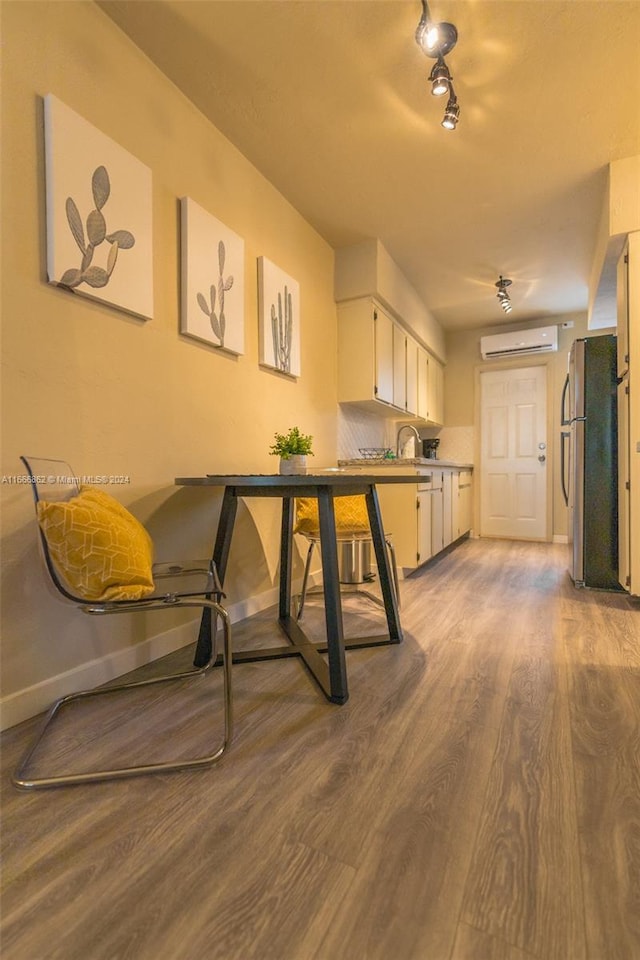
[{"x": 477, "y": 798}]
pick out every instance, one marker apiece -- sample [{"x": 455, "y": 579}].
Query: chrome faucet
[{"x": 407, "y": 426}]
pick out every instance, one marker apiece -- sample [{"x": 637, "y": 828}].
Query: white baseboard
[
  {"x": 560, "y": 538},
  {"x": 32, "y": 700}
]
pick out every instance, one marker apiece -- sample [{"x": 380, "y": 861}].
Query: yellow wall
[
  {"x": 115, "y": 395},
  {"x": 460, "y": 402}
]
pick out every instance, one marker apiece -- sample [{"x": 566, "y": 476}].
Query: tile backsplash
[
  {"x": 357, "y": 428},
  {"x": 457, "y": 443}
]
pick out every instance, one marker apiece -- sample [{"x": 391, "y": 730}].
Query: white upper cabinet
[
  {"x": 380, "y": 365},
  {"x": 423, "y": 384},
  {"x": 399, "y": 368},
  {"x": 384, "y": 330},
  {"x": 435, "y": 392},
  {"x": 365, "y": 354},
  {"x": 413, "y": 351}
]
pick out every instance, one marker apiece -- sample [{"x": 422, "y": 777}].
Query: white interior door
[{"x": 514, "y": 454}]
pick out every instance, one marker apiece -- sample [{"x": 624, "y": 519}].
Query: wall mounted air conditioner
[{"x": 519, "y": 343}]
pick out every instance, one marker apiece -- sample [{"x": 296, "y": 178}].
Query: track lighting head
[
  {"x": 452, "y": 114},
  {"x": 435, "y": 39},
  {"x": 440, "y": 78},
  {"x": 503, "y": 296}
]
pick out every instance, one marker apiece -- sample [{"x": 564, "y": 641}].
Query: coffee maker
[{"x": 430, "y": 449}]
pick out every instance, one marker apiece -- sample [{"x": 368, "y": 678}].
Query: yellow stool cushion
[
  {"x": 350, "y": 512},
  {"x": 101, "y": 550}
]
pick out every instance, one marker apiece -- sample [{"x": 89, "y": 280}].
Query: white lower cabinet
[
  {"x": 447, "y": 501},
  {"x": 401, "y": 509},
  {"x": 424, "y": 550},
  {"x": 465, "y": 504},
  {"x": 424, "y": 519},
  {"x": 455, "y": 503},
  {"x": 437, "y": 513}
]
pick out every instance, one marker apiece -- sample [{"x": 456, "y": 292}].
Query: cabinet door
[
  {"x": 622, "y": 298},
  {"x": 412, "y": 377},
  {"x": 455, "y": 504},
  {"x": 624, "y": 473},
  {"x": 399, "y": 367},
  {"x": 384, "y": 327},
  {"x": 435, "y": 391},
  {"x": 398, "y": 506},
  {"x": 629, "y": 420},
  {"x": 447, "y": 531},
  {"x": 425, "y": 550},
  {"x": 423, "y": 384},
  {"x": 465, "y": 503},
  {"x": 437, "y": 540},
  {"x": 464, "y": 509}
]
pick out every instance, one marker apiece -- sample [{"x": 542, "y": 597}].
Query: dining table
[{"x": 331, "y": 673}]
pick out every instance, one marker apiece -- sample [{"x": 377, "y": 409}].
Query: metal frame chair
[
  {"x": 345, "y": 536},
  {"x": 177, "y": 585}
]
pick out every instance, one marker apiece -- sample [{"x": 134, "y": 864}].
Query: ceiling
[{"x": 330, "y": 101}]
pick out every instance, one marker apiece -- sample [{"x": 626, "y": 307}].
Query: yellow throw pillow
[
  {"x": 102, "y": 552},
  {"x": 350, "y": 512}
]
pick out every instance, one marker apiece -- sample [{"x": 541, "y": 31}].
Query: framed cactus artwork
[
  {"x": 212, "y": 288},
  {"x": 279, "y": 319},
  {"x": 99, "y": 214}
]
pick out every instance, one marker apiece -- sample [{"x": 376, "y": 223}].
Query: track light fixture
[
  {"x": 452, "y": 113},
  {"x": 503, "y": 296},
  {"x": 440, "y": 78},
  {"x": 436, "y": 40}
]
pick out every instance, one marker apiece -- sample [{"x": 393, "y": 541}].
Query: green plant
[{"x": 291, "y": 444}]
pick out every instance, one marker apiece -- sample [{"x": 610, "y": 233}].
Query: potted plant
[{"x": 293, "y": 448}]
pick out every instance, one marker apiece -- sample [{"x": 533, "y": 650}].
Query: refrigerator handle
[
  {"x": 563, "y": 404},
  {"x": 564, "y": 436}
]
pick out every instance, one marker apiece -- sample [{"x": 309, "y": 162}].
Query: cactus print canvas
[
  {"x": 279, "y": 319},
  {"x": 99, "y": 214},
  {"x": 212, "y": 288}
]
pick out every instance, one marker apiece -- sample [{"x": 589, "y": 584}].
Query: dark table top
[{"x": 299, "y": 482}]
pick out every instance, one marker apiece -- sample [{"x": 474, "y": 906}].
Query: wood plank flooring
[{"x": 477, "y": 798}]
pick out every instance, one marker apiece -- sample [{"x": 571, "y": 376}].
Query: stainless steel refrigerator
[{"x": 589, "y": 462}]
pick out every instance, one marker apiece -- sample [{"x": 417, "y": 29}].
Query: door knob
[{"x": 542, "y": 458}]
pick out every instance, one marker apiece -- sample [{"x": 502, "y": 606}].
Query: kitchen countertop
[{"x": 403, "y": 462}]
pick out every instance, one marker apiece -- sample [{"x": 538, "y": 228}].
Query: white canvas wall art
[
  {"x": 212, "y": 308},
  {"x": 99, "y": 213},
  {"x": 279, "y": 318}
]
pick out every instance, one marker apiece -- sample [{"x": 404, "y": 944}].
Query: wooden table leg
[
  {"x": 220, "y": 557},
  {"x": 384, "y": 571},
  {"x": 286, "y": 557},
  {"x": 332, "y": 603}
]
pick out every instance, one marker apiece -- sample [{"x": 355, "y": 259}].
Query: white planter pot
[{"x": 296, "y": 464}]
